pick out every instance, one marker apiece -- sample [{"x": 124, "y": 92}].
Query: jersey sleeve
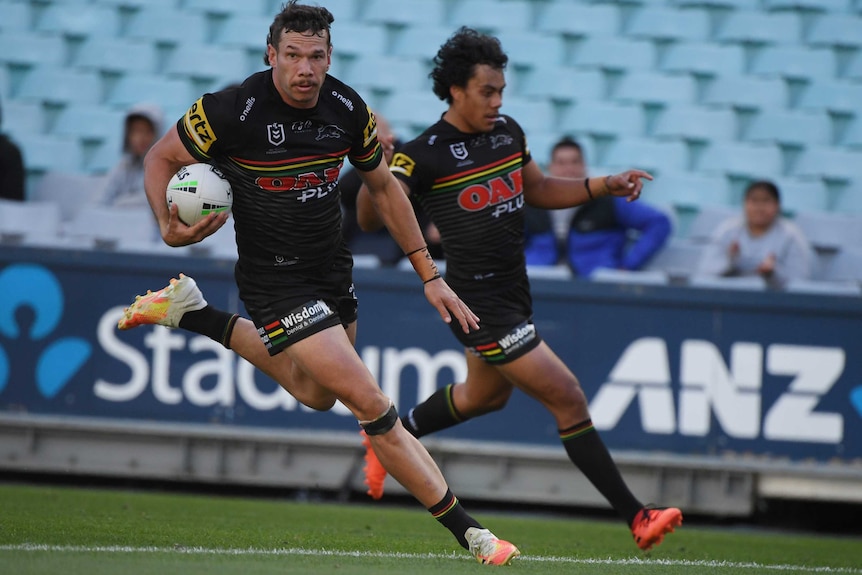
[
  {"x": 366, "y": 152},
  {"x": 200, "y": 126},
  {"x": 405, "y": 169}
]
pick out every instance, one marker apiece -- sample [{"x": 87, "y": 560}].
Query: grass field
[{"x": 48, "y": 530}]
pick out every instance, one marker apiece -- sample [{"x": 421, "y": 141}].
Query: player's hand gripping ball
[{"x": 199, "y": 190}]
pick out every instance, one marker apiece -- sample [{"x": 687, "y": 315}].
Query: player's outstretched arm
[
  {"x": 392, "y": 207},
  {"x": 552, "y": 192},
  {"x": 162, "y": 161}
]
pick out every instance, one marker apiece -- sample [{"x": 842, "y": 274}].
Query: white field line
[{"x": 380, "y": 554}]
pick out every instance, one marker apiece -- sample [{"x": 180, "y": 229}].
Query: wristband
[
  {"x": 587, "y": 186},
  {"x": 431, "y": 279}
]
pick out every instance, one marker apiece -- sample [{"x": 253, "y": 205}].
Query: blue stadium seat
[
  {"x": 853, "y": 136},
  {"x": 794, "y": 62},
  {"x": 89, "y": 122},
  {"x": 742, "y": 160},
  {"x": 665, "y": 23},
  {"x": 70, "y": 192},
  {"x": 25, "y": 49},
  {"x": 5, "y": 84},
  {"x": 653, "y": 156},
  {"x": 835, "y": 30},
  {"x": 420, "y": 42},
  {"x": 656, "y": 88},
  {"x": 833, "y": 96},
  {"x": 56, "y": 85},
  {"x": 167, "y": 93},
  {"x": 104, "y": 157},
  {"x": 703, "y": 58},
  {"x": 853, "y": 71},
  {"x": 696, "y": 124},
  {"x": 845, "y": 265},
  {"x": 562, "y": 84},
  {"x": 849, "y": 201},
  {"x": 100, "y": 54},
  {"x": 828, "y": 162},
  {"x": 343, "y": 10},
  {"x": 707, "y": 219},
  {"x": 740, "y": 283},
  {"x": 105, "y": 227},
  {"x": 29, "y": 223},
  {"x": 217, "y": 65},
  {"x": 759, "y": 27},
  {"x": 15, "y": 16},
  {"x": 386, "y": 73},
  {"x": 23, "y": 118},
  {"x": 352, "y": 38},
  {"x": 168, "y": 26},
  {"x": 249, "y": 31},
  {"x": 795, "y": 128},
  {"x": 802, "y": 195},
  {"x": 528, "y": 48},
  {"x": 415, "y": 110},
  {"x": 747, "y": 92},
  {"x": 687, "y": 189},
  {"x": 492, "y": 15},
  {"x": 534, "y": 116},
  {"x": 599, "y": 118},
  {"x": 807, "y": 5},
  {"x": 46, "y": 153},
  {"x": 615, "y": 54},
  {"x": 400, "y": 13},
  {"x": 678, "y": 259},
  {"x": 138, "y": 4},
  {"x": 576, "y": 19},
  {"x": 830, "y": 231},
  {"x": 733, "y": 4},
  {"x": 73, "y": 21},
  {"x": 227, "y": 7}
]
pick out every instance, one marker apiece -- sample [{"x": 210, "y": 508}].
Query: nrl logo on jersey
[
  {"x": 275, "y": 133},
  {"x": 459, "y": 150}
]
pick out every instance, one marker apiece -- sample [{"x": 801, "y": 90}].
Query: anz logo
[{"x": 59, "y": 359}]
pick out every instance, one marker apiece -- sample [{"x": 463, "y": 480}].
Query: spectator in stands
[
  {"x": 125, "y": 183},
  {"x": 609, "y": 232},
  {"x": 11, "y": 168},
  {"x": 759, "y": 242}
]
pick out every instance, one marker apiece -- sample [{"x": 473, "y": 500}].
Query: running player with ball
[{"x": 280, "y": 139}]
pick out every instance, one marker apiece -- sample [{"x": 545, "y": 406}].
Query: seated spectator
[
  {"x": 759, "y": 242},
  {"x": 11, "y": 168},
  {"x": 608, "y": 232},
  {"x": 380, "y": 243},
  {"x": 124, "y": 186}
]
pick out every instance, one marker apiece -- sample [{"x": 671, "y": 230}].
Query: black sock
[
  {"x": 589, "y": 454},
  {"x": 211, "y": 322},
  {"x": 435, "y": 413},
  {"x": 453, "y": 517}
]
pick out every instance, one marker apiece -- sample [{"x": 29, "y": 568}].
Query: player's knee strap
[{"x": 382, "y": 424}]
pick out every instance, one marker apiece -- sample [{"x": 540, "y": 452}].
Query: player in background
[
  {"x": 281, "y": 138},
  {"x": 472, "y": 173}
]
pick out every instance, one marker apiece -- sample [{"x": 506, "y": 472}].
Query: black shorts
[
  {"x": 289, "y": 307},
  {"x": 499, "y": 344}
]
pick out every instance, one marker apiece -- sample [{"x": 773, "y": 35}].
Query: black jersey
[
  {"x": 283, "y": 164},
  {"x": 471, "y": 187}
]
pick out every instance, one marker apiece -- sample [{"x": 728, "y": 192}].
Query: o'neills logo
[
  {"x": 306, "y": 315},
  {"x": 521, "y": 335}
]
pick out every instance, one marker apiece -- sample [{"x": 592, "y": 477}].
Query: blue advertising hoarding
[{"x": 669, "y": 369}]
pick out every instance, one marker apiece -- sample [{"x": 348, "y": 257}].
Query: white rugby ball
[{"x": 199, "y": 190}]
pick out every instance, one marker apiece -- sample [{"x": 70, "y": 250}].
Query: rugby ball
[{"x": 199, "y": 190}]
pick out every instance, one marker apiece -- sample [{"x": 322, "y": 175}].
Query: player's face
[
  {"x": 476, "y": 107},
  {"x": 761, "y": 209},
  {"x": 567, "y": 162},
  {"x": 299, "y": 66}
]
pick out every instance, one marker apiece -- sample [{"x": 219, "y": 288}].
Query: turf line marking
[{"x": 385, "y": 555}]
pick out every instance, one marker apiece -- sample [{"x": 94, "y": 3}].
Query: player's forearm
[
  {"x": 556, "y": 193},
  {"x": 158, "y": 171},
  {"x": 397, "y": 214},
  {"x": 366, "y": 213}
]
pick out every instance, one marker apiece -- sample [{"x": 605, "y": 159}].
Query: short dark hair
[
  {"x": 301, "y": 18},
  {"x": 766, "y": 185},
  {"x": 455, "y": 61},
  {"x": 567, "y": 142}
]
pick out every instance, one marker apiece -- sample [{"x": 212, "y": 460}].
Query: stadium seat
[
  {"x": 562, "y": 84},
  {"x": 533, "y": 115},
  {"x": 703, "y": 59},
  {"x": 759, "y": 27},
  {"x": 678, "y": 259},
  {"x": 845, "y": 265},
  {"x": 24, "y": 119},
  {"x": 71, "y": 21},
  {"x": 400, "y": 13},
  {"x": 342, "y": 10},
  {"x": 492, "y": 16},
  {"x": 732, "y": 4},
  {"x": 249, "y": 31},
  {"x": 753, "y": 161},
  {"x": 708, "y": 219},
  {"x": 527, "y": 48},
  {"x": 807, "y": 5},
  {"x": 747, "y": 92},
  {"x": 853, "y": 70},
  {"x": 104, "y": 157},
  {"x": 419, "y": 42},
  {"x": 105, "y": 227},
  {"x": 802, "y": 195},
  {"x": 603, "y": 119},
  {"x": 100, "y": 54},
  {"x": 217, "y": 66},
  {"x": 687, "y": 189},
  {"x": 664, "y": 23},
  {"x": 68, "y": 191},
  {"x": 830, "y": 232},
  {"x": 828, "y": 162},
  {"x": 387, "y": 73},
  {"x": 89, "y": 122},
  {"x": 653, "y": 156},
  {"x": 695, "y": 123},
  {"x": 789, "y": 128},
  {"x": 415, "y": 109},
  {"x": 835, "y": 30},
  {"x": 227, "y": 8},
  {"x": 5, "y": 84},
  {"x": 25, "y": 49},
  {"x": 133, "y": 89},
  {"x": 794, "y": 63},
  {"x": 60, "y": 85},
  {"x": 639, "y": 277},
  {"x": 742, "y": 283},
  {"x": 577, "y": 19},
  {"x": 656, "y": 88},
  {"x": 352, "y": 38},
  {"x": 29, "y": 223},
  {"x": 137, "y": 4},
  {"x": 837, "y": 96},
  {"x": 46, "y": 153},
  {"x": 614, "y": 54},
  {"x": 836, "y": 288},
  {"x": 15, "y": 16},
  {"x": 166, "y": 26}
]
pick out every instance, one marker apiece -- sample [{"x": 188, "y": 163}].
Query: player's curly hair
[
  {"x": 455, "y": 61},
  {"x": 295, "y": 17}
]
